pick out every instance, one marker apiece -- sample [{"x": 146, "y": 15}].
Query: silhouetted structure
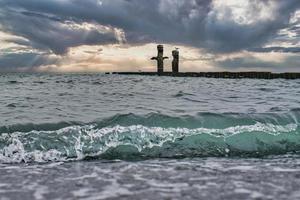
[
  {"x": 227, "y": 75},
  {"x": 175, "y": 62},
  {"x": 160, "y": 59}
]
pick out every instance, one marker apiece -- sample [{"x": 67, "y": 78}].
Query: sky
[{"x": 121, "y": 35}]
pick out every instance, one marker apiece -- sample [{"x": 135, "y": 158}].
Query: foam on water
[
  {"x": 122, "y": 139},
  {"x": 53, "y": 117},
  {"x": 236, "y": 139}
]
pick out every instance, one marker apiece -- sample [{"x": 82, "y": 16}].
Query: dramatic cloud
[
  {"x": 215, "y": 27},
  {"x": 24, "y": 61},
  {"x": 241, "y": 26},
  {"x": 45, "y": 32},
  {"x": 250, "y": 62}
]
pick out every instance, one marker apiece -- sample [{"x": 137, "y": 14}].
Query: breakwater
[{"x": 230, "y": 75}]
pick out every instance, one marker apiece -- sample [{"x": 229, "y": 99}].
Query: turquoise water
[{"x": 111, "y": 125}]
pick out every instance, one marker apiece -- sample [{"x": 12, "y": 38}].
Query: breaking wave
[{"x": 154, "y": 136}]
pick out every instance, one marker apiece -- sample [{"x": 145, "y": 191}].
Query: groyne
[{"x": 229, "y": 75}]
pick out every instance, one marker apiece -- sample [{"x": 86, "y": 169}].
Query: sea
[{"x": 100, "y": 136}]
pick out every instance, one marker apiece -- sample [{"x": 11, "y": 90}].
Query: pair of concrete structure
[
  {"x": 160, "y": 60},
  {"x": 231, "y": 75}
]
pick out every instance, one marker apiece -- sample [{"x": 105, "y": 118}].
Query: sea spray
[{"x": 110, "y": 141}]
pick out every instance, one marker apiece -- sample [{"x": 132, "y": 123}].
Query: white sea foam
[{"x": 79, "y": 142}]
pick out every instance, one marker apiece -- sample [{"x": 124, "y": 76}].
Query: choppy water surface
[{"x": 109, "y": 136}]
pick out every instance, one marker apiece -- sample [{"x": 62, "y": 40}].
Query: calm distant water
[{"x": 94, "y": 136}]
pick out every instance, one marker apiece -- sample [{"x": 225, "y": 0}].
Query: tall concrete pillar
[
  {"x": 160, "y": 59},
  {"x": 175, "y": 62}
]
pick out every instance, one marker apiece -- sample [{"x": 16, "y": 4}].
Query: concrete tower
[
  {"x": 175, "y": 62},
  {"x": 160, "y": 59}
]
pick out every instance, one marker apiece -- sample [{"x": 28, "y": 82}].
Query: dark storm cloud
[
  {"x": 49, "y": 25},
  {"x": 48, "y": 32},
  {"x": 229, "y": 36},
  {"x": 24, "y": 61},
  {"x": 290, "y": 63},
  {"x": 191, "y": 22}
]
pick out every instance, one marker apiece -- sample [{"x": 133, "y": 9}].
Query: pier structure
[
  {"x": 223, "y": 75},
  {"x": 227, "y": 75},
  {"x": 160, "y": 59},
  {"x": 175, "y": 62}
]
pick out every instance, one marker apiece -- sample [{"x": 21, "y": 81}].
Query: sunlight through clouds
[{"x": 105, "y": 35}]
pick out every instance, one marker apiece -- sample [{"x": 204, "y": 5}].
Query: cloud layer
[{"x": 214, "y": 26}]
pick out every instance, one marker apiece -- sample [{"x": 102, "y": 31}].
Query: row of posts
[{"x": 160, "y": 60}]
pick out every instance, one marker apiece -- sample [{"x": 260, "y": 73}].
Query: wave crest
[{"x": 143, "y": 142}]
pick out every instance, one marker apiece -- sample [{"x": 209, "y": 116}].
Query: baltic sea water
[{"x": 96, "y": 136}]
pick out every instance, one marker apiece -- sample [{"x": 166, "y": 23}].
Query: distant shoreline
[{"x": 229, "y": 75}]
